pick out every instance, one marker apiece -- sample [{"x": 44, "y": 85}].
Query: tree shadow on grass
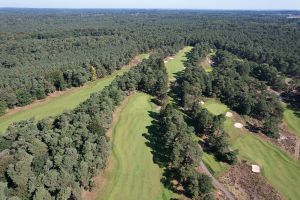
[
  {"x": 160, "y": 155},
  {"x": 153, "y": 141}
]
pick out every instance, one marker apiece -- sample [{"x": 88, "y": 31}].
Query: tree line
[
  {"x": 175, "y": 150},
  {"x": 56, "y": 158}
]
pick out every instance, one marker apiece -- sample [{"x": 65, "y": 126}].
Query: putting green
[
  {"x": 215, "y": 107},
  {"x": 68, "y": 100},
  {"x": 292, "y": 119},
  {"x": 176, "y": 65},
  {"x": 134, "y": 175},
  {"x": 282, "y": 171}
]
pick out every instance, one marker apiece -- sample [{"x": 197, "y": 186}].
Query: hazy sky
[{"x": 194, "y": 4}]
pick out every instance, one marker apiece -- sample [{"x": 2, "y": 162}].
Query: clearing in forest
[
  {"x": 176, "y": 65},
  {"x": 282, "y": 171},
  {"x": 67, "y": 100},
  {"x": 134, "y": 175},
  {"x": 206, "y": 63}
]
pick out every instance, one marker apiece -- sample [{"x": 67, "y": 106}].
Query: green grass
[
  {"x": 176, "y": 65},
  {"x": 67, "y": 101},
  {"x": 215, "y": 107},
  {"x": 281, "y": 171},
  {"x": 216, "y": 168},
  {"x": 134, "y": 175},
  {"x": 292, "y": 120}
]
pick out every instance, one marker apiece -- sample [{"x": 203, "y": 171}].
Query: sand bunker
[
  {"x": 255, "y": 169},
  {"x": 238, "y": 125},
  {"x": 202, "y": 102},
  {"x": 171, "y": 58},
  {"x": 229, "y": 114},
  {"x": 282, "y": 137},
  {"x": 166, "y": 61}
]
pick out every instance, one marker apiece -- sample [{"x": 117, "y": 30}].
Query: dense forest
[{"x": 42, "y": 51}]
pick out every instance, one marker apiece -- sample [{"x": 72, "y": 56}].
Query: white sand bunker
[
  {"x": 166, "y": 61},
  {"x": 238, "y": 125},
  {"x": 255, "y": 169},
  {"x": 229, "y": 114},
  {"x": 282, "y": 137},
  {"x": 201, "y": 102},
  {"x": 171, "y": 58}
]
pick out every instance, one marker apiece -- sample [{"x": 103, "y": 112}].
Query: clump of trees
[
  {"x": 180, "y": 154},
  {"x": 211, "y": 128},
  {"x": 57, "y": 157},
  {"x": 232, "y": 83}
]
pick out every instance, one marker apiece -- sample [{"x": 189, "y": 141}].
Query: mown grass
[
  {"x": 176, "y": 65},
  {"x": 66, "y": 101},
  {"x": 292, "y": 119},
  {"x": 281, "y": 171},
  {"x": 134, "y": 175},
  {"x": 215, "y": 167},
  {"x": 215, "y": 107}
]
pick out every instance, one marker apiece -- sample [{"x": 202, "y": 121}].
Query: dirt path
[
  {"x": 215, "y": 182},
  {"x": 297, "y": 149}
]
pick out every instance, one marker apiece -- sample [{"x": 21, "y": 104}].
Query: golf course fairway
[
  {"x": 176, "y": 64},
  {"x": 281, "y": 170},
  {"x": 52, "y": 106},
  {"x": 133, "y": 176}
]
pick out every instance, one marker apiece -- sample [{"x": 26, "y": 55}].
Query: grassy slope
[
  {"x": 176, "y": 65},
  {"x": 134, "y": 175},
  {"x": 292, "y": 120},
  {"x": 281, "y": 170},
  {"x": 67, "y": 101}
]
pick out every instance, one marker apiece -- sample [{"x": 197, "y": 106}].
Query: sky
[{"x": 165, "y": 4}]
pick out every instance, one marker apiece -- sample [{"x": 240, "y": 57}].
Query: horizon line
[{"x": 195, "y": 9}]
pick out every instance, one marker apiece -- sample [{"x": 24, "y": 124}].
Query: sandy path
[{"x": 215, "y": 182}]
